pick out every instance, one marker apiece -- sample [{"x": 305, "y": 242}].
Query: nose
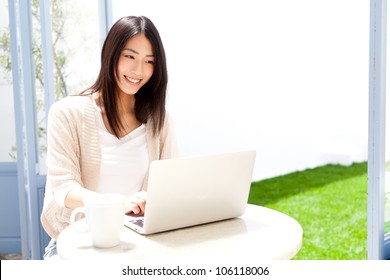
[{"x": 137, "y": 68}]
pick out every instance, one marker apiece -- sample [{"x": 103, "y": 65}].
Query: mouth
[{"x": 133, "y": 81}]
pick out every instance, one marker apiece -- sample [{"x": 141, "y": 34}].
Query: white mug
[{"x": 104, "y": 218}]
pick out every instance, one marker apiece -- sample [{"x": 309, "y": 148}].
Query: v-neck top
[{"x": 124, "y": 161}]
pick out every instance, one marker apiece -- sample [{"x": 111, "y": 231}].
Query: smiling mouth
[{"x": 133, "y": 81}]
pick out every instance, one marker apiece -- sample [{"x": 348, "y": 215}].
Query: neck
[
  {"x": 126, "y": 113},
  {"x": 126, "y": 104}
]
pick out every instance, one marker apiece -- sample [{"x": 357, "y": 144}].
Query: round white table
[{"x": 260, "y": 233}]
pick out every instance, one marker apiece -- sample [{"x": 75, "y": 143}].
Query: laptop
[{"x": 189, "y": 191}]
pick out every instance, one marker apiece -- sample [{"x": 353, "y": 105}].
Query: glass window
[
  {"x": 76, "y": 55},
  {"x": 7, "y": 121},
  {"x": 75, "y": 36},
  {"x": 378, "y": 222},
  {"x": 387, "y": 149}
]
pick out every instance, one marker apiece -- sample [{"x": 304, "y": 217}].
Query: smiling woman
[
  {"x": 104, "y": 139},
  {"x": 134, "y": 70},
  {"x": 139, "y": 55}
]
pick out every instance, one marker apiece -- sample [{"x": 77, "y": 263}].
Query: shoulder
[
  {"x": 71, "y": 102},
  {"x": 72, "y": 105}
]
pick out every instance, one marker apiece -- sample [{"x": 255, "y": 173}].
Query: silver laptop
[{"x": 189, "y": 191}]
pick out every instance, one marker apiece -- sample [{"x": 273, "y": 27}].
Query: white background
[{"x": 286, "y": 78}]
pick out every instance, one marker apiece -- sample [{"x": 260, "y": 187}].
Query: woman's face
[{"x": 135, "y": 65}]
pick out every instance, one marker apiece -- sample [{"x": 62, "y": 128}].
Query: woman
[{"x": 104, "y": 139}]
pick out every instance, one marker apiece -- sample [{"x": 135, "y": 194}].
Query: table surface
[{"x": 260, "y": 233}]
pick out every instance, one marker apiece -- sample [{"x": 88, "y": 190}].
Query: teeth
[{"x": 132, "y": 80}]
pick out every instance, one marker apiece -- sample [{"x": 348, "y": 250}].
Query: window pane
[
  {"x": 7, "y": 121},
  {"x": 76, "y": 55},
  {"x": 387, "y": 148},
  {"x": 387, "y": 166},
  {"x": 75, "y": 36}
]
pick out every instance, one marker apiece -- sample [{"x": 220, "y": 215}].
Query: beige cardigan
[{"x": 73, "y": 154}]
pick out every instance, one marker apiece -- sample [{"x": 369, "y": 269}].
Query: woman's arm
[
  {"x": 63, "y": 155},
  {"x": 75, "y": 197}
]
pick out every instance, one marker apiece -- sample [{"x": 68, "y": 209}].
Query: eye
[
  {"x": 129, "y": 56},
  {"x": 150, "y": 62}
]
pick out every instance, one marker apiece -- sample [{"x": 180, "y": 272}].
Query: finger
[
  {"x": 136, "y": 210},
  {"x": 142, "y": 205},
  {"x": 132, "y": 208},
  {"x": 140, "y": 201}
]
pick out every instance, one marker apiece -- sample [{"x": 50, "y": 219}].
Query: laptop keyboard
[{"x": 139, "y": 222}]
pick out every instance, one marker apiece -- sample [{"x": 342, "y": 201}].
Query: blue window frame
[
  {"x": 31, "y": 179},
  {"x": 378, "y": 242}
]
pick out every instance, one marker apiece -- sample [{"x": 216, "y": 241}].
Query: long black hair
[{"x": 150, "y": 99}]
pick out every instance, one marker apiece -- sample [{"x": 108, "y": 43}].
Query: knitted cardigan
[{"x": 73, "y": 154}]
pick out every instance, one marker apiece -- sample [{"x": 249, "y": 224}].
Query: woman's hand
[{"x": 135, "y": 204}]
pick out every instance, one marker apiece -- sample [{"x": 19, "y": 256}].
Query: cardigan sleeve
[
  {"x": 63, "y": 164},
  {"x": 163, "y": 146},
  {"x": 63, "y": 153}
]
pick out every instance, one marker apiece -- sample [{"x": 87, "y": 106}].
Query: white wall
[{"x": 287, "y": 78}]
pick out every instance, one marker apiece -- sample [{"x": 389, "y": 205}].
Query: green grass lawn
[{"x": 330, "y": 203}]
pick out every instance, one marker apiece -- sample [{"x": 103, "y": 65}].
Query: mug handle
[{"x": 79, "y": 225}]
